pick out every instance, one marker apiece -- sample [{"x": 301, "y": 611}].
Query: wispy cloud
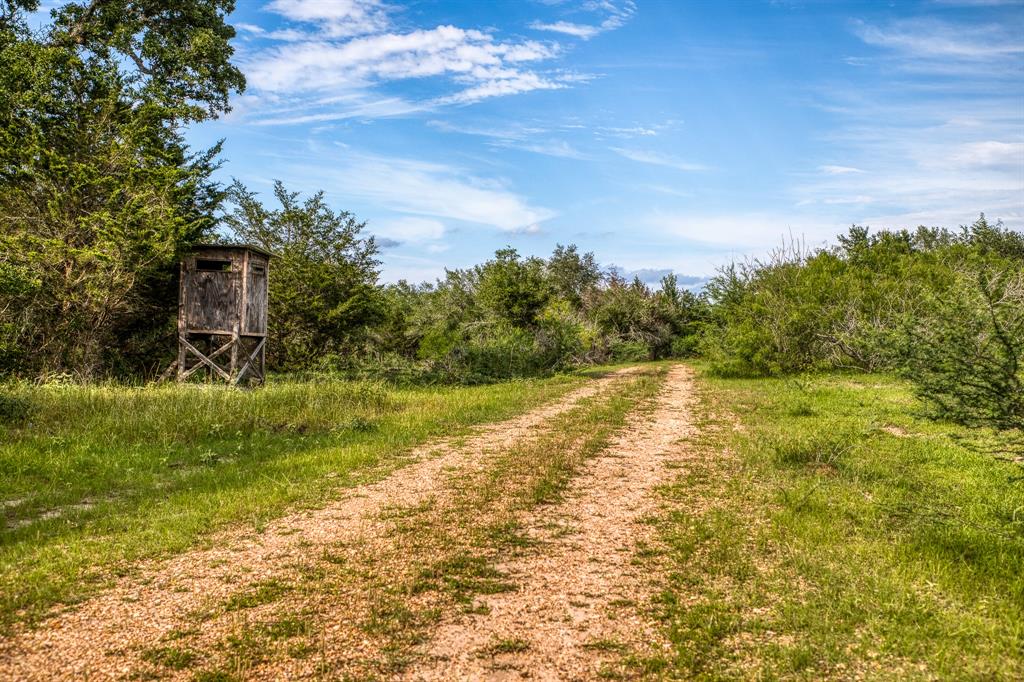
[
  {"x": 527, "y": 138},
  {"x": 616, "y": 16},
  {"x": 583, "y": 31},
  {"x": 920, "y": 150},
  {"x": 659, "y": 159},
  {"x": 989, "y": 154},
  {"x": 557, "y": 148},
  {"x": 627, "y": 131},
  {"x": 754, "y": 231},
  {"x": 943, "y": 43},
  {"x": 335, "y": 18},
  {"x": 359, "y": 105},
  {"x": 838, "y": 170},
  {"x": 429, "y": 190}
]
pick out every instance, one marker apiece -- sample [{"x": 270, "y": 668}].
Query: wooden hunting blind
[{"x": 222, "y": 313}]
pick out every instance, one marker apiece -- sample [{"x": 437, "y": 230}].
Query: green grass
[
  {"x": 507, "y": 645},
  {"x": 833, "y": 533},
  {"x": 169, "y": 657},
  {"x": 95, "y": 478}
]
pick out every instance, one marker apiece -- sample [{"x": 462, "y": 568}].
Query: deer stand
[{"x": 222, "y": 314}]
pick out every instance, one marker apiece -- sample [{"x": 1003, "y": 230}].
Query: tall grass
[{"x": 170, "y": 414}]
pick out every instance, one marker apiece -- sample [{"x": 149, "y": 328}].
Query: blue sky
[{"x": 660, "y": 135}]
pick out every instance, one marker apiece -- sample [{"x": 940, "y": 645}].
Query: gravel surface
[{"x": 575, "y": 610}]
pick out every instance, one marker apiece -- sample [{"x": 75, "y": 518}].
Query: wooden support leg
[
  {"x": 249, "y": 364},
  {"x": 233, "y": 370},
  {"x": 207, "y": 361},
  {"x": 182, "y": 353}
]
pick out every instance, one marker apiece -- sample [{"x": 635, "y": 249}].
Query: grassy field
[
  {"x": 818, "y": 528},
  {"x": 821, "y": 529},
  {"x": 95, "y": 478}
]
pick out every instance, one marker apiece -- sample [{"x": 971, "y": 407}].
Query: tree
[
  {"x": 512, "y": 288},
  {"x": 323, "y": 291},
  {"x": 99, "y": 195},
  {"x": 572, "y": 275}
]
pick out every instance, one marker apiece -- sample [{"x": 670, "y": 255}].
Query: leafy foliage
[
  {"x": 99, "y": 194},
  {"x": 968, "y": 360},
  {"x": 944, "y": 308},
  {"x": 323, "y": 292}
]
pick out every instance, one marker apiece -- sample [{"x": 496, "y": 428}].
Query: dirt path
[
  {"x": 351, "y": 568},
  {"x": 574, "y": 607},
  {"x": 106, "y": 636}
]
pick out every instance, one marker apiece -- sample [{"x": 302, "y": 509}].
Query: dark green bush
[
  {"x": 14, "y": 409},
  {"x": 967, "y": 360}
]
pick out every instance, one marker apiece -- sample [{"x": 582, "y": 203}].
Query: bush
[
  {"x": 630, "y": 351},
  {"x": 967, "y": 360},
  {"x": 14, "y": 409}
]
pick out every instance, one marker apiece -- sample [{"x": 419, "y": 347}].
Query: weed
[
  {"x": 214, "y": 676},
  {"x": 14, "y": 409},
  {"x": 171, "y": 657},
  {"x": 511, "y": 645},
  {"x": 258, "y": 594},
  {"x": 607, "y": 645},
  {"x": 287, "y": 627}
]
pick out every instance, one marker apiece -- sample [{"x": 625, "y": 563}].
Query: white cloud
[
  {"x": 411, "y": 229},
  {"x": 584, "y": 31},
  {"x": 249, "y": 28},
  {"x": 749, "y": 231},
  {"x": 509, "y": 83},
  {"x": 356, "y": 106},
  {"x": 430, "y": 190},
  {"x": 468, "y": 55},
  {"x": 658, "y": 159},
  {"x": 617, "y": 16},
  {"x": 925, "y": 38},
  {"x": 527, "y": 138},
  {"x": 933, "y": 151},
  {"x": 989, "y": 153},
  {"x": 838, "y": 170},
  {"x": 557, "y": 148},
  {"x": 310, "y": 69},
  {"x": 336, "y": 18},
  {"x": 628, "y": 132}
]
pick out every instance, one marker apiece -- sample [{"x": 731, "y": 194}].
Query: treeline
[
  {"x": 512, "y": 316},
  {"x": 99, "y": 194},
  {"x": 942, "y": 308}
]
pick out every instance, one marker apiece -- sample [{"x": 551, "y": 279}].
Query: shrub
[
  {"x": 14, "y": 408},
  {"x": 967, "y": 360}
]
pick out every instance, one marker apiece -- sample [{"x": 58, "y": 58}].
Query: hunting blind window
[{"x": 213, "y": 265}]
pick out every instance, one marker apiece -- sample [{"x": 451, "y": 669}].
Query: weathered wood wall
[{"x": 256, "y": 295}]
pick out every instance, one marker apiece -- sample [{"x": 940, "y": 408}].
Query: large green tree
[
  {"x": 323, "y": 281},
  {"x": 99, "y": 194}
]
